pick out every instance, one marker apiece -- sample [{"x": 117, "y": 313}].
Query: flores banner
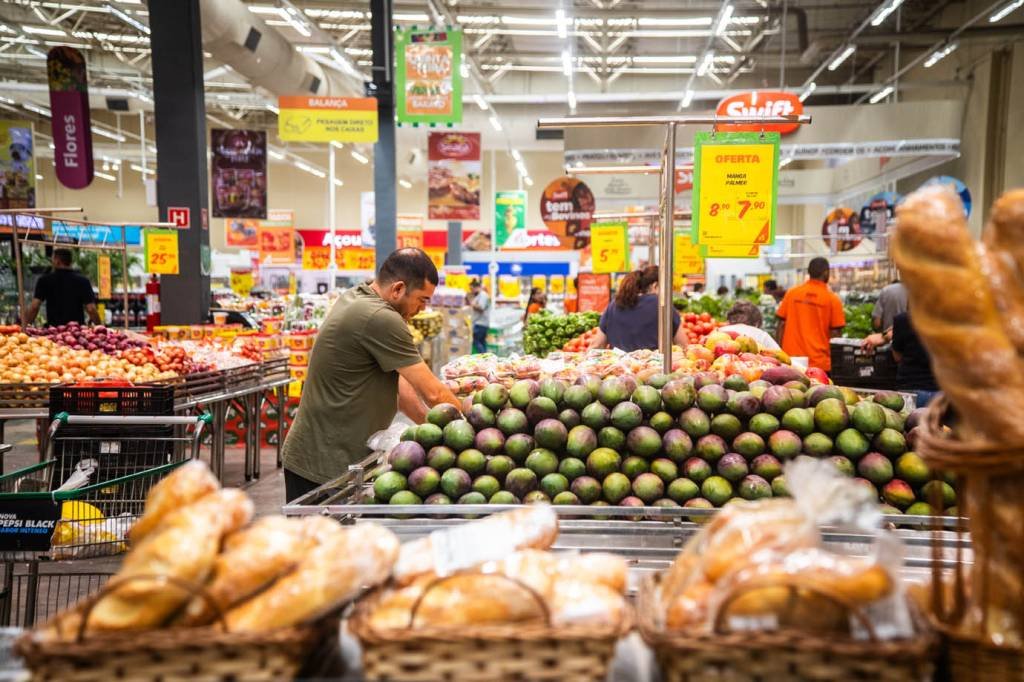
[
  {"x": 429, "y": 81},
  {"x": 453, "y": 176},
  {"x": 239, "y": 173},
  {"x": 17, "y": 168},
  {"x": 69, "y": 119}
]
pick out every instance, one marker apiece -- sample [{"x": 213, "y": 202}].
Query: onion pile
[
  {"x": 35, "y": 359},
  {"x": 74, "y": 335}
]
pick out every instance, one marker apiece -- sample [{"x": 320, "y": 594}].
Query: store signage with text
[
  {"x": 327, "y": 119},
  {"x": 453, "y": 175},
  {"x": 760, "y": 103},
  {"x": 180, "y": 216},
  {"x": 687, "y": 257},
  {"x": 509, "y": 214},
  {"x": 428, "y": 79},
  {"x": 841, "y": 229},
  {"x": 567, "y": 207},
  {"x": 731, "y": 250},
  {"x": 70, "y": 122},
  {"x": 103, "y": 275},
  {"x": 241, "y": 281},
  {"x": 239, "y": 169},
  {"x": 18, "y": 170},
  {"x": 609, "y": 247},
  {"x": 161, "y": 252},
  {"x": 594, "y": 292},
  {"x": 735, "y": 185}
]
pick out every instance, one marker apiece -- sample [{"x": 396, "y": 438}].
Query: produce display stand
[
  {"x": 247, "y": 387},
  {"x": 650, "y": 537}
]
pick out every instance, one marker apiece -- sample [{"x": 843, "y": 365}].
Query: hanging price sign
[
  {"x": 316, "y": 257},
  {"x": 356, "y": 259},
  {"x": 241, "y": 282},
  {"x": 609, "y": 247},
  {"x": 103, "y": 274},
  {"x": 687, "y": 257},
  {"x": 735, "y": 183},
  {"x": 731, "y": 250},
  {"x": 161, "y": 251}
]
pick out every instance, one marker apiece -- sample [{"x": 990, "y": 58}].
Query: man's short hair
[
  {"x": 745, "y": 312},
  {"x": 62, "y": 256},
  {"x": 411, "y": 266},
  {"x": 770, "y": 285},
  {"x": 474, "y": 283},
  {"x": 818, "y": 267}
]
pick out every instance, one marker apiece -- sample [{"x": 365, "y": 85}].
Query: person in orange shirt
[{"x": 809, "y": 316}]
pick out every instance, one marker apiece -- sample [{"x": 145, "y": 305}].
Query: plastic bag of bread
[
  {"x": 468, "y": 545},
  {"x": 763, "y": 565}
]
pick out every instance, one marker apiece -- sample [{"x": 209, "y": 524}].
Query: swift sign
[{"x": 760, "y": 103}]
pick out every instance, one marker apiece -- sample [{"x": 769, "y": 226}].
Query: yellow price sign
[
  {"x": 327, "y": 119},
  {"x": 356, "y": 259},
  {"x": 735, "y": 182},
  {"x": 316, "y": 257},
  {"x": 241, "y": 282},
  {"x": 687, "y": 257},
  {"x": 732, "y": 251},
  {"x": 437, "y": 256},
  {"x": 609, "y": 247},
  {"x": 539, "y": 282},
  {"x": 457, "y": 281},
  {"x": 103, "y": 274},
  {"x": 161, "y": 252},
  {"x": 557, "y": 284}
]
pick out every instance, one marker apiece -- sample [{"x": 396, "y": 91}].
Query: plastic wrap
[
  {"x": 763, "y": 565},
  {"x": 383, "y": 441}
]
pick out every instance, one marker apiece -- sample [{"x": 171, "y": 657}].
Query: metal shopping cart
[{"x": 111, "y": 463}]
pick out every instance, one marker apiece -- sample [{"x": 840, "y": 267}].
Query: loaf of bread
[
  {"x": 252, "y": 559},
  {"x": 358, "y": 557},
  {"x": 468, "y": 545},
  {"x": 184, "y": 485},
  {"x": 184, "y": 547}
]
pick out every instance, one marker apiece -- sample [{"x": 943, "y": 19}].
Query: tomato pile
[
  {"x": 165, "y": 359},
  {"x": 581, "y": 342},
  {"x": 698, "y": 326}
]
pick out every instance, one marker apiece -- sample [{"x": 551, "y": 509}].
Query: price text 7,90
[{"x": 741, "y": 206}]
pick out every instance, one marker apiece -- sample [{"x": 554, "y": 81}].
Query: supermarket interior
[{"x": 704, "y": 314}]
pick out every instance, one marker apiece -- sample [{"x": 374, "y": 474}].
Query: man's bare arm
[
  {"x": 92, "y": 312},
  {"x": 427, "y": 385},
  {"x": 410, "y": 403},
  {"x": 31, "y": 311}
]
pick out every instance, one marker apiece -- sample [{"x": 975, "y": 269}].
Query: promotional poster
[
  {"x": 454, "y": 169},
  {"x": 239, "y": 169}
]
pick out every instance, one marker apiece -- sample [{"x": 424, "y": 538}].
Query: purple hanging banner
[{"x": 69, "y": 117}]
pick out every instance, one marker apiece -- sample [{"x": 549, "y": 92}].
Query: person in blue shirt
[{"x": 630, "y": 322}]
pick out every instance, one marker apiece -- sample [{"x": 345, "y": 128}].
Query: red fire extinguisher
[{"x": 152, "y": 303}]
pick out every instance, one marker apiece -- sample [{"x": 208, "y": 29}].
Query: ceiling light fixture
[
  {"x": 359, "y": 157},
  {"x": 567, "y": 62},
  {"x": 808, "y": 90},
  {"x": 881, "y": 94},
  {"x": 1005, "y": 10},
  {"x": 572, "y": 101},
  {"x": 529, "y": 181},
  {"x": 405, "y": 183},
  {"x": 42, "y": 111},
  {"x": 338, "y": 182},
  {"x": 277, "y": 156},
  {"x": 884, "y": 11},
  {"x": 309, "y": 169},
  {"x": 705, "y": 64},
  {"x": 43, "y": 30},
  {"x": 560, "y": 23},
  {"x": 495, "y": 123},
  {"x": 481, "y": 102},
  {"x": 843, "y": 56},
  {"x": 108, "y": 134},
  {"x": 127, "y": 18},
  {"x": 687, "y": 98},
  {"x": 724, "y": 16},
  {"x": 516, "y": 155},
  {"x": 940, "y": 54},
  {"x": 105, "y": 176}
]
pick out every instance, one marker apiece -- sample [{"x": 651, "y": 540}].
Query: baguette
[{"x": 183, "y": 486}]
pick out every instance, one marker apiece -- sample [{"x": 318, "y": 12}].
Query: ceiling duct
[{"x": 265, "y": 57}]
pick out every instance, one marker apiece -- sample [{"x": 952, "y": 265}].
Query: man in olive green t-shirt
[{"x": 363, "y": 368}]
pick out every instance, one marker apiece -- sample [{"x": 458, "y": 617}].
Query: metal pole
[
  {"x": 17, "y": 270},
  {"x": 668, "y": 207},
  {"x": 626, "y": 121},
  {"x": 124, "y": 274},
  {"x": 332, "y": 207}
]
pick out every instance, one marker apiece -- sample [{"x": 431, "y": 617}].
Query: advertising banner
[
  {"x": 760, "y": 103},
  {"x": 69, "y": 116},
  {"x": 841, "y": 229},
  {"x": 161, "y": 252},
  {"x": 509, "y": 214},
  {"x": 327, "y": 119},
  {"x": 276, "y": 243},
  {"x": 567, "y": 207},
  {"x": 958, "y": 187},
  {"x": 454, "y": 176},
  {"x": 428, "y": 80},
  {"x": 241, "y": 233},
  {"x": 687, "y": 257},
  {"x": 609, "y": 247},
  {"x": 239, "y": 168},
  {"x": 594, "y": 291},
  {"x": 735, "y": 180},
  {"x": 879, "y": 214},
  {"x": 241, "y": 281},
  {"x": 103, "y": 275},
  {"x": 731, "y": 250},
  {"x": 17, "y": 165}
]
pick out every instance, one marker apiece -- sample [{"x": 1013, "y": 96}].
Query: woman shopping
[
  {"x": 538, "y": 299},
  {"x": 631, "y": 321}
]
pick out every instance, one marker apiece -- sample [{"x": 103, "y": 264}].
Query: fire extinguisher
[{"x": 152, "y": 303}]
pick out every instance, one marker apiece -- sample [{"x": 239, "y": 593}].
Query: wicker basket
[
  {"x": 987, "y": 473},
  {"x": 514, "y": 652},
  {"x": 780, "y": 656},
  {"x": 205, "y": 654}
]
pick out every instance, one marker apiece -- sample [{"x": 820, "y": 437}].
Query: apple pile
[
  {"x": 698, "y": 326},
  {"x": 26, "y": 359}
]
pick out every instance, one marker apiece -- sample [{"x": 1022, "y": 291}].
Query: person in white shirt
[
  {"x": 479, "y": 303},
  {"x": 745, "y": 319}
]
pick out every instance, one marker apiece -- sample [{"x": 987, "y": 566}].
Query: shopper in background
[
  {"x": 697, "y": 291},
  {"x": 538, "y": 299},
  {"x": 745, "y": 318},
  {"x": 809, "y": 316},
  {"x": 480, "y": 304},
  {"x": 66, "y": 292},
  {"x": 913, "y": 364},
  {"x": 892, "y": 300},
  {"x": 363, "y": 368},
  {"x": 773, "y": 293},
  {"x": 722, "y": 291},
  {"x": 572, "y": 299},
  {"x": 630, "y": 322}
]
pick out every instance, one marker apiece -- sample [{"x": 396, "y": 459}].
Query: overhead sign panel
[{"x": 327, "y": 119}]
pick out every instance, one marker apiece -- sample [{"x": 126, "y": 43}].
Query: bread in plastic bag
[{"x": 764, "y": 565}]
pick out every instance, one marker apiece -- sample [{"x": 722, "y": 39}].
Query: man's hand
[
  {"x": 432, "y": 389},
  {"x": 92, "y": 312},
  {"x": 410, "y": 403},
  {"x": 872, "y": 341},
  {"x": 30, "y": 312}
]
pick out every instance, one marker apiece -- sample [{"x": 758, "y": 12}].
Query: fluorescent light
[
  {"x": 127, "y": 18},
  {"x": 881, "y": 94},
  {"x": 338, "y": 183},
  {"x": 567, "y": 62},
  {"x": 464, "y": 69},
  {"x": 277, "y": 156},
  {"x": 36, "y": 51},
  {"x": 560, "y": 23},
  {"x": 39, "y": 177},
  {"x": 808, "y": 90},
  {"x": 692, "y": 21},
  {"x": 43, "y": 30},
  {"x": 359, "y": 157},
  {"x": 43, "y": 111},
  {"x": 843, "y": 56},
  {"x": 108, "y": 134},
  {"x": 884, "y": 11},
  {"x": 572, "y": 100},
  {"x": 723, "y": 18},
  {"x": 1005, "y": 10},
  {"x": 405, "y": 183},
  {"x": 140, "y": 169},
  {"x": 528, "y": 181},
  {"x": 521, "y": 167},
  {"x": 705, "y": 64},
  {"x": 785, "y": 161},
  {"x": 309, "y": 169},
  {"x": 271, "y": 107},
  {"x": 516, "y": 155},
  {"x": 481, "y": 102},
  {"x": 495, "y": 123},
  {"x": 687, "y": 98},
  {"x": 105, "y": 176},
  {"x": 410, "y": 16},
  {"x": 336, "y": 144},
  {"x": 940, "y": 54},
  {"x": 143, "y": 97}
]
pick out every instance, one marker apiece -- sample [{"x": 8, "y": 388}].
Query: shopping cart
[{"x": 115, "y": 460}]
